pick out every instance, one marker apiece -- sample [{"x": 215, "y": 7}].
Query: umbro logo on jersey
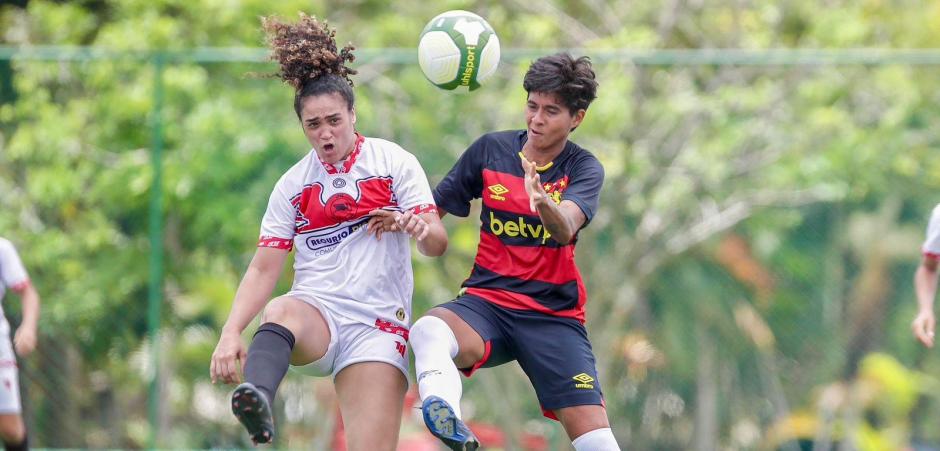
[
  {"x": 584, "y": 381},
  {"x": 497, "y": 191}
]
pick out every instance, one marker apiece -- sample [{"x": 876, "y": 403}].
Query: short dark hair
[
  {"x": 561, "y": 74},
  {"x": 309, "y": 60}
]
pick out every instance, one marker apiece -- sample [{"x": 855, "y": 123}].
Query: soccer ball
[{"x": 458, "y": 49}]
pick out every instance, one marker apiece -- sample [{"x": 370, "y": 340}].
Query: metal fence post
[{"x": 155, "y": 293}]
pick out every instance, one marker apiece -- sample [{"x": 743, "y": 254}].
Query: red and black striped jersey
[{"x": 518, "y": 265}]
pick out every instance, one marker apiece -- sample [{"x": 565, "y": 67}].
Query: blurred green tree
[{"x": 759, "y": 225}]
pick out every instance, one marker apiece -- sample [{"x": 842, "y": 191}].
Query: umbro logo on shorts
[{"x": 584, "y": 381}]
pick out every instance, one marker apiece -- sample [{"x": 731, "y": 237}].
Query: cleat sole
[
  {"x": 253, "y": 412},
  {"x": 443, "y": 423}
]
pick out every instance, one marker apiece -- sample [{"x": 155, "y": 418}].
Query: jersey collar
[
  {"x": 522, "y": 140},
  {"x": 349, "y": 161},
  {"x": 542, "y": 168}
]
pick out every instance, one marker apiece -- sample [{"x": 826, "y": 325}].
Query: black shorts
[{"x": 554, "y": 352}]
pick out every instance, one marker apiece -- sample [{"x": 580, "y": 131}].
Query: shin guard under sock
[{"x": 269, "y": 358}]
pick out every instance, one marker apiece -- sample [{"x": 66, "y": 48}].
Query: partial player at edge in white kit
[{"x": 13, "y": 276}]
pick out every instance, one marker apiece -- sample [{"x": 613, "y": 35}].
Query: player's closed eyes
[{"x": 550, "y": 111}]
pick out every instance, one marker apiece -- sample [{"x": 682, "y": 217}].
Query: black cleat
[
  {"x": 440, "y": 419},
  {"x": 253, "y": 410}
]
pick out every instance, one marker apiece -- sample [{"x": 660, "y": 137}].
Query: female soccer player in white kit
[
  {"x": 13, "y": 276},
  {"x": 348, "y": 311}
]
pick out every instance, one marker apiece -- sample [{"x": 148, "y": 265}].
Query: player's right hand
[
  {"x": 227, "y": 359},
  {"x": 382, "y": 221},
  {"x": 24, "y": 340},
  {"x": 533, "y": 183},
  {"x": 923, "y": 327}
]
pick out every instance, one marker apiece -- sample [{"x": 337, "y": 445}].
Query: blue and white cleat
[
  {"x": 440, "y": 419},
  {"x": 253, "y": 410}
]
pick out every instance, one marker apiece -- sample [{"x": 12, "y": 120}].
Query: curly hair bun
[{"x": 306, "y": 50}]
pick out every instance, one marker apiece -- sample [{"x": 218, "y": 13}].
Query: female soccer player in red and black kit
[{"x": 524, "y": 299}]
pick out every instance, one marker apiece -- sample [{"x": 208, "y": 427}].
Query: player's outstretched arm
[
  {"x": 253, "y": 293},
  {"x": 925, "y": 285},
  {"x": 24, "y": 340},
  {"x": 561, "y": 220}
]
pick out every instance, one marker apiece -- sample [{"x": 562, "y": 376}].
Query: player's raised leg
[
  {"x": 292, "y": 331},
  {"x": 442, "y": 341}
]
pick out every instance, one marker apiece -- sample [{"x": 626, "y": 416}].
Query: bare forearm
[
  {"x": 435, "y": 244},
  {"x": 252, "y": 295},
  {"x": 925, "y": 284},
  {"x": 555, "y": 221},
  {"x": 30, "y": 299}
]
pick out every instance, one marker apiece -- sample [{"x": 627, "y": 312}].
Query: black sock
[
  {"x": 22, "y": 446},
  {"x": 269, "y": 358}
]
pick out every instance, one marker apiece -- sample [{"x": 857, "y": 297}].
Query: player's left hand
[
  {"x": 24, "y": 340},
  {"x": 533, "y": 184},
  {"x": 407, "y": 222}
]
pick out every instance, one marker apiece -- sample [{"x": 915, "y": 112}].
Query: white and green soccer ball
[{"x": 458, "y": 50}]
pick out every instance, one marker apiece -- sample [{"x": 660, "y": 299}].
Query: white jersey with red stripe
[
  {"x": 931, "y": 246},
  {"x": 322, "y": 210},
  {"x": 12, "y": 273}
]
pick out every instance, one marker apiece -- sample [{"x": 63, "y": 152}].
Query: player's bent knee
[
  {"x": 288, "y": 311},
  {"x": 596, "y": 440},
  {"x": 431, "y": 332},
  {"x": 426, "y": 328},
  {"x": 276, "y": 311}
]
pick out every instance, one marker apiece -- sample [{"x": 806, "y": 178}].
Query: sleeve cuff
[
  {"x": 275, "y": 242},
  {"x": 454, "y": 208},
  {"x": 588, "y": 214},
  {"x": 424, "y": 208},
  {"x": 20, "y": 286}
]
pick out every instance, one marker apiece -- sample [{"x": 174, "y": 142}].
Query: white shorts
[
  {"x": 353, "y": 342},
  {"x": 9, "y": 380}
]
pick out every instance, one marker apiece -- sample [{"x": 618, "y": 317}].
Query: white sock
[
  {"x": 596, "y": 440},
  {"x": 435, "y": 347}
]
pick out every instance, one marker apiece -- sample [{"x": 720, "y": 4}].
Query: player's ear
[
  {"x": 577, "y": 118},
  {"x": 352, "y": 118}
]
